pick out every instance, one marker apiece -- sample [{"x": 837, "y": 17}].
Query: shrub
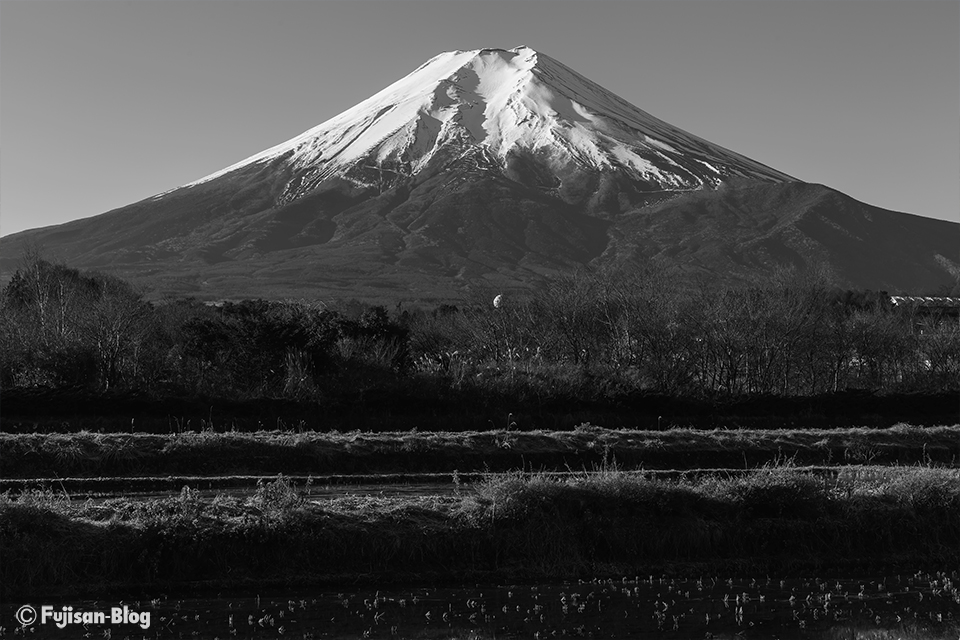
[{"x": 776, "y": 493}]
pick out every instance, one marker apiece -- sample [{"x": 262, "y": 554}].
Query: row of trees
[
  {"x": 60, "y": 327},
  {"x": 792, "y": 337},
  {"x": 63, "y": 328}
]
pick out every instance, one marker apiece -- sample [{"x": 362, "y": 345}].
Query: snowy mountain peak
[
  {"x": 492, "y": 167},
  {"x": 501, "y": 102}
]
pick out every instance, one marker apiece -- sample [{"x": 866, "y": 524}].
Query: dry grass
[
  {"x": 514, "y": 525},
  {"x": 270, "y": 452}
]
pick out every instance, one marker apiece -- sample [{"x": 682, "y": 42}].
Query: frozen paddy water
[{"x": 920, "y": 605}]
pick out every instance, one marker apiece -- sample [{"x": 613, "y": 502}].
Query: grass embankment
[
  {"x": 271, "y": 452},
  {"x": 516, "y": 526}
]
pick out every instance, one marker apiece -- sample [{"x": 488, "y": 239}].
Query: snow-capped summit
[
  {"x": 499, "y": 102},
  {"x": 500, "y": 167}
]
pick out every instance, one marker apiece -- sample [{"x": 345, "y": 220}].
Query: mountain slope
[{"x": 498, "y": 166}]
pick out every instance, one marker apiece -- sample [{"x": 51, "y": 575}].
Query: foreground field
[
  {"x": 921, "y": 605},
  {"x": 513, "y": 527},
  {"x": 271, "y": 452}
]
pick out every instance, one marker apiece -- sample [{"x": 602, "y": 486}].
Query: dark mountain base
[{"x": 436, "y": 238}]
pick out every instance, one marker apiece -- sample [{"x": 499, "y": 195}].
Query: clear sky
[{"x": 106, "y": 102}]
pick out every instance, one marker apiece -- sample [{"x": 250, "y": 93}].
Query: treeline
[{"x": 587, "y": 335}]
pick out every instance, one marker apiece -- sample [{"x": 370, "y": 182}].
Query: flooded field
[{"x": 921, "y": 605}]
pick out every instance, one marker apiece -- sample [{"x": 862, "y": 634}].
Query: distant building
[{"x": 928, "y": 306}]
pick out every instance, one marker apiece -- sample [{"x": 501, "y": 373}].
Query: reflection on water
[{"x": 922, "y": 605}]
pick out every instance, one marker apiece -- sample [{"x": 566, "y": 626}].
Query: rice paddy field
[
  {"x": 919, "y": 606},
  {"x": 801, "y": 533}
]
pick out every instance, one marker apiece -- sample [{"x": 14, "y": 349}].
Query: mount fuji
[{"x": 497, "y": 166}]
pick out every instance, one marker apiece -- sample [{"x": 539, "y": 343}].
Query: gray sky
[{"x": 106, "y": 102}]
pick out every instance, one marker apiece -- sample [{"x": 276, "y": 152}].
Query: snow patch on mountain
[{"x": 499, "y": 102}]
